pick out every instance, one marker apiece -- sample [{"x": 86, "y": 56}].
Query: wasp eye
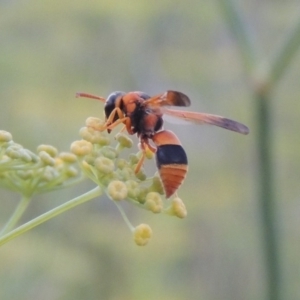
[{"x": 110, "y": 103}]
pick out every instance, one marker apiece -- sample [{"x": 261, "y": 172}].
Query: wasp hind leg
[{"x": 144, "y": 144}]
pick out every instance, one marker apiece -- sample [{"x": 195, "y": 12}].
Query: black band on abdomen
[{"x": 170, "y": 154}]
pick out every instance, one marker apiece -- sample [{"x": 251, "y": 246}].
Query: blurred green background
[{"x": 49, "y": 50}]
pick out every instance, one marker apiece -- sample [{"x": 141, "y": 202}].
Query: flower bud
[
  {"x": 157, "y": 185},
  {"x": 59, "y": 164},
  {"x": 93, "y": 136},
  {"x": 33, "y": 156},
  {"x": 107, "y": 179},
  {"x": 68, "y": 157},
  {"x": 95, "y": 123},
  {"x": 81, "y": 148},
  {"x": 177, "y": 208},
  {"x": 133, "y": 188},
  {"x": 141, "y": 175},
  {"x": 46, "y": 158},
  {"x": 104, "y": 165},
  {"x": 154, "y": 202},
  {"x": 49, "y": 174},
  {"x": 25, "y": 155},
  {"x": 142, "y": 234},
  {"x": 117, "y": 190},
  {"x": 5, "y": 136},
  {"x": 121, "y": 163},
  {"x": 109, "y": 152},
  {"x": 52, "y": 151},
  {"x": 71, "y": 172},
  {"x": 125, "y": 174},
  {"x": 133, "y": 159},
  {"x": 143, "y": 191},
  {"x": 13, "y": 153},
  {"x": 124, "y": 140}
]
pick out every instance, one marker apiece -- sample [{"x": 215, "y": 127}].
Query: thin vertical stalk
[
  {"x": 284, "y": 53},
  {"x": 16, "y": 216},
  {"x": 266, "y": 197},
  {"x": 264, "y": 144},
  {"x": 237, "y": 26}
]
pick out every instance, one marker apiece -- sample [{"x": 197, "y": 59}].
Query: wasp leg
[
  {"x": 144, "y": 145},
  {"x": 110, "y": 119},
  {"x": 127, "y": 125},
  {"x": 140, "y": 163}
]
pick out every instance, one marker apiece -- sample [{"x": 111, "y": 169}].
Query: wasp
[{"x": 142, "y": 115}]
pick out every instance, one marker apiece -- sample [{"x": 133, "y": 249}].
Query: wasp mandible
[{"x": 143, "y": 115}]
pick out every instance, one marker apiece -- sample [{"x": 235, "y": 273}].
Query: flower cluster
[
  {"x": 101, "y": 161},
  {"x": 30, "y": 173}
]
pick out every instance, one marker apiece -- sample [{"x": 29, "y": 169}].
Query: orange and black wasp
[{"x": 143, "y": 115}]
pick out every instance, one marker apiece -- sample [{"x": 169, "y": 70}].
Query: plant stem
[
  {"x": 50, "y": 214},
  {"x": 16, "y": 216},
  {"x": 242, "y": 35},
  {"x": 264, "y": 145},
  {"x": 131, "y": 227},
  {"x": 284, "y": 53},
  {"x": 266, "y": 197}
]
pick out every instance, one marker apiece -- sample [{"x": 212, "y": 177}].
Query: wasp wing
[
  {"x": 169, "y": 98},
  {"x": 203, "y": 118}
]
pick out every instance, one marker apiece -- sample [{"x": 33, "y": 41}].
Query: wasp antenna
[{"x": 86, "y": 95}]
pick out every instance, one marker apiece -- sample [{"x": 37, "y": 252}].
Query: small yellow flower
[
  {"x": 125, "y": 174},
  {"x": 94, "y": 136},
  {"x": 133, "y": 188},
  {"x": 154, "y": 202},
  {"x": 142, "y": 234},
  {"x": 46, "y": 158},
  {"x": 5, "y": 136},
  {"x": 177, "y": 208},
  {"x": 121, "y": 163},
  {"x": 67, "y": 157},
  {"x": 141, "y": 175},
  {"x": 157, "y": 185},
  {"x": 13, "y": 153},
  {"x": 104, "y": 165},
  {"x": 117, "y": 190},
  {"x": 133, "y": 159},
  {"x": 72, "y": 172},
  {"x": 49, "y": 174},
  {"x": 95, "y": 123},
  {"x": 124, "y": 140},
  {"x": 109, "y": 152},
  {"x": 141, "y": 197},
  {"x": 52, "y": 151},
  {"x": 81, "y": 148}
]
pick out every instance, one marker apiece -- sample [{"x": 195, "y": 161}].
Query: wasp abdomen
[{"x": 171, "y": 161}]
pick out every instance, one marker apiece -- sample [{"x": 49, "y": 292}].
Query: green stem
[
  {"x": 284, "y": 53},
  {"x": 50, "y": 214},
  {"x": 131, "y": 227},
  {"x": 266, "y": 197},
  {"x": 238, "y": 29},
  {"x": 16, "y": 216},
  {"x": 264, "y": 146}
]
